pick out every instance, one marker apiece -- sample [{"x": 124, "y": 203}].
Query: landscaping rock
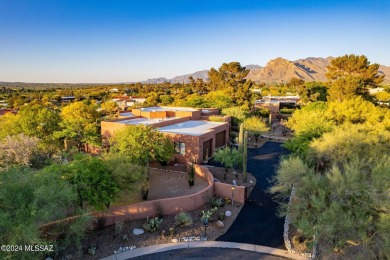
[
  {"x": 228, "y": 213},
  {"x": 220, "y": 224},
  {"x": 138, "y": 231},
  {"x": 175, "y": 240}
]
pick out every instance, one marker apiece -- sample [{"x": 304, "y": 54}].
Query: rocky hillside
[
  {"x": 203, "y": 74},
  {"x": 277, "y": 70},
  {"x": 385, "y": 70},
  {"x": 282, "y": 70}
]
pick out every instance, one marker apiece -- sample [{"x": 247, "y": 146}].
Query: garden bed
[{"x": 109, "y": 239}]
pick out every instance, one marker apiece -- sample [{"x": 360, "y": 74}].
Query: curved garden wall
[{"x": 167, "y": 206}]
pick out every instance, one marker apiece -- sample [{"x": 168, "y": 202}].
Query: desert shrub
[
  {"x": 215, "y": 202},
  {"x": 119, "y": 227},
  {"x": 159, "y": 209},
  {"x": 152, "y": 224},
  {"x": 144, "y": 189},
  {"x": 261, "y": 112},
  {"x": 206, "y": 215},
  {"x": 287, "y": 110},
  {"x": 216, "y": 119},
  {"x": 182, "y": 219}
]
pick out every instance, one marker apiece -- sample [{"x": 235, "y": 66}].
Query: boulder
[
  {"x": 138, "y": 231},
  {"x": 220, "y": 224},
  {"x": 228, "y": 213}
]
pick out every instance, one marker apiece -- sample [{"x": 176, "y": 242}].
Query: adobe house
[
  {"x": 275, "y": 103},
  {"x": 193, "y": 135}
]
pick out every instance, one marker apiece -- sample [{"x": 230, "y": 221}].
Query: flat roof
[
  {"x": 144, "y": 121},
  {"x": 127, "y": 114},
  {"x": 191, "y": 127},
  {"x": 157, "y": 108}
]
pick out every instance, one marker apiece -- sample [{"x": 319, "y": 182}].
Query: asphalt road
[
  {"x": 258, "y": 222},
  {"x": 208, "y": 253}
]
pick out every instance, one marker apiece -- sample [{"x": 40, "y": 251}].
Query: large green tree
[
  {"x": 91, "y": 179},
  {"x": 255, "y": 126},
  {"x": 351, "y": 75},
  {"x": 229, "y": 158},
  {"x": 79, "y": 123},
  {"x": 39, "y": 121},
  {"x": 141, "y": 144},
  {"x": 228, "y": 76}
]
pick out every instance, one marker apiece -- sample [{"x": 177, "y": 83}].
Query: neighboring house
[
  {"x": 3, "y": 103},
  {"x": 125, "y": 101},
  {"x": 67, "y": 99},
  {"x": 194, "y": 137},
  {"x": 275, "y": 103},
  {"x": 4, "y": 111}
]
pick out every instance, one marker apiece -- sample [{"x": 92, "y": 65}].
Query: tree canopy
[
  {"x": 30, "y": 199},
  {"x": 79, "y": 123},
  {"x": 228, "y": 157},
  {"x": 141, "y": 144},
  {"x": 229, "y": 75},
  {"x": 350, "y": 75},
  {"x": 255, "y": 126}
]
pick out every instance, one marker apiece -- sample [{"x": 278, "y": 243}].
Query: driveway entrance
[{"x": 258, "y": 223}]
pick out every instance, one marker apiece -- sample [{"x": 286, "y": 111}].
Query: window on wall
[{"x": 180, "y": 148}]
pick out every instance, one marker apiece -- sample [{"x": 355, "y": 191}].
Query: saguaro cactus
[
  {"x": 241, "y": 138},
  {"x": 245, "y": 157},
  {"x": 270, "y": 121}
]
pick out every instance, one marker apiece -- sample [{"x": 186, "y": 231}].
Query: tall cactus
[
  {"x": 245, "y": 157},
  {"x": 270, "y": 120},
  {"x": 241, "y": 138}
]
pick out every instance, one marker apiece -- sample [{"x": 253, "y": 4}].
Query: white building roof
[
  {"x": 145, "y": 121},
  {"x": 191, "y": 127},
  {"x": 150, "y": 109}
]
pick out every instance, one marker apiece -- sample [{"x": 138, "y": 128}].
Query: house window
[{"x": 180, "y": 148}]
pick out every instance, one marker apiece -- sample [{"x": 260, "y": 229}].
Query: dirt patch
[
  {"x": 218, "y": 173},
  {"x": 169, "y": 184}
]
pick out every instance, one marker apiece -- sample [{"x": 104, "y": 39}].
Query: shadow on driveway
[{"x": 258, "y": 223}]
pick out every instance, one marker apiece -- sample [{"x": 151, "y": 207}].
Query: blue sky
[{"x": 124, "y": 41}]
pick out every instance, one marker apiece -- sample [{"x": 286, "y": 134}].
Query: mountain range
[{"x": 278, "y": 70}]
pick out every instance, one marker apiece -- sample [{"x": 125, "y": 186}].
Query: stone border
[
  {"x": 287, "y": 241},
  {"x": 212, "y": 244}
]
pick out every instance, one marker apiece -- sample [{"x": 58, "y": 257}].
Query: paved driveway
[{"x": 258, "y": 222}]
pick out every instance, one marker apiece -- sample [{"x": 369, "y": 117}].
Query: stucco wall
[
  {"x": 225, "y": 190},
  {"x": 169, "y": 206}
]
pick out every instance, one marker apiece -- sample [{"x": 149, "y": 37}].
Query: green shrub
[
  {"x": 215, "y": 202},
  {"x": 206, "y": 215},
  {"x": 261, "y": 112},
  {"x": 287, "y": 110},
  {"x": 182, "y": 219},
  {"x": 216, "y": 119},
  {"x": 152, "y": 224}
]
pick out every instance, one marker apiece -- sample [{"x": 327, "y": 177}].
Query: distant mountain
[
  {"x": 277, "y": 70},
  {"x": 282, "y": 70},
  {"x": 385, "y": 70},
  {"x": 203, "y": 74}
]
